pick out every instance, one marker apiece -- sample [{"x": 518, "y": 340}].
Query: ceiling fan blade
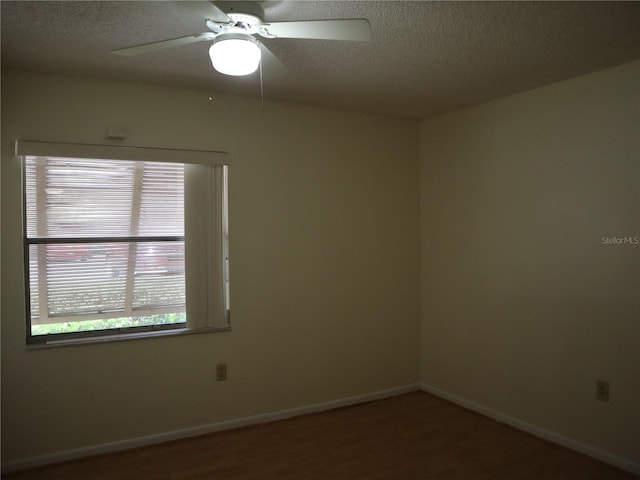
[
  {"x": 272, "y": 67},
  {"x": 206, "y": 10},
  {"x": 356, "y": 29},
  {"x": 161, "y": 45}
]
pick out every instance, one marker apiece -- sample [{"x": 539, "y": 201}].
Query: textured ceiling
[{"x": 425, "y": 57}]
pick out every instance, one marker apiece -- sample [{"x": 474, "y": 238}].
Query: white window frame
[{"x": 206, "y": 235}]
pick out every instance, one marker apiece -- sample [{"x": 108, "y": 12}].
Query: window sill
[{"x": 123, "y": 337}]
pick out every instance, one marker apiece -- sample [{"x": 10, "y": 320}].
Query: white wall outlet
[
  {"x": 602, "y": 390},
  {"x": 221, "y": 372}
]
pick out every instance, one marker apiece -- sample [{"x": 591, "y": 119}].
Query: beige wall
[
  {"x": 325, "y": 270},
  {"x": 523, "y": 307}
]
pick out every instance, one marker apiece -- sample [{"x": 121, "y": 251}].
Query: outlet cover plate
[
  {"x": 221, "y": 372},
  {"x": 602, "y": 390}
]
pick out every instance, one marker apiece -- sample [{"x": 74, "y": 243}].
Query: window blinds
[
  {"x": 77, "y": 210},
  {"x": 160, "y": 224}
]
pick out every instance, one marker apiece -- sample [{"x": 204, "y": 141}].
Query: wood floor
[{"x": 411, "y": 436}]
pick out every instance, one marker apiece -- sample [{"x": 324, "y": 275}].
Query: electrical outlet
[
  {"x": 602, "y": 390},
  {"x": 221, "y": 372}
]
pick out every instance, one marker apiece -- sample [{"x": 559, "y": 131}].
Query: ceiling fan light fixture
[{"x": 235, "y": 54}]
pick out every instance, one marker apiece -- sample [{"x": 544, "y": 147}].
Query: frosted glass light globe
[{"x": 235, "y": 54}]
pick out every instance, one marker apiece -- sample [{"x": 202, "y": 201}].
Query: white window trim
[
  {"x": 206, "y": 280},
  {"x": 121, "y": 152}
]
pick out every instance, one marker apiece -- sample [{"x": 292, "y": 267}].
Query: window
[{"x": 123, "y": 240}]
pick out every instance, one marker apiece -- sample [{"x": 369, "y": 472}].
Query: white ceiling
[{"x": 425, "y": 57}]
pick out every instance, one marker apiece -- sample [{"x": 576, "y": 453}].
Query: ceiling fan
[{"x": 232, "y": 28}]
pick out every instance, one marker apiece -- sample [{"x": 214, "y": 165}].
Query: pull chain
[
  {"x": 210, "y": 82},
  {"x": 261, "y": 88}
]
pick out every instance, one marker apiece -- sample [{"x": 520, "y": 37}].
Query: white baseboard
[
  {"x": 200, "y": 430},
  {"x": 620, "y": 462}
]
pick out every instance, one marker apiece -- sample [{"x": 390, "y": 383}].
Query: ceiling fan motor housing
[{"x": 247, "y": 13}]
